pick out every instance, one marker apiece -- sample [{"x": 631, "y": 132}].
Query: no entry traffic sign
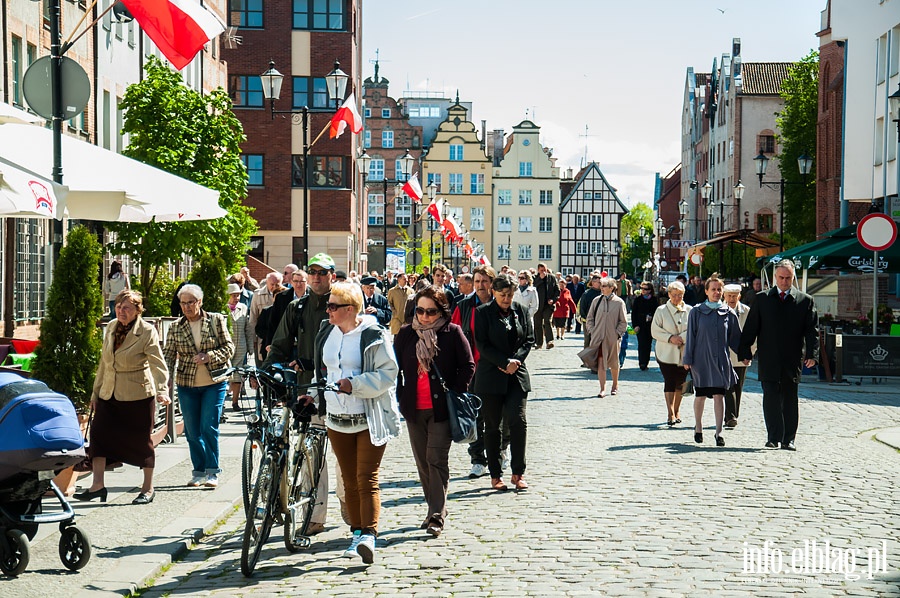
[{"x": 876, "y": 232}]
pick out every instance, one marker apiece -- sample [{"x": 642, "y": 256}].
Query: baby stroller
[{"x": 39, "y": 435}]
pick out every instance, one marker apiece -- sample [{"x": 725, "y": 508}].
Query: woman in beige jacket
[
  {"x": 606, "y": 323},
  {"x": 131, "y": 379},
  {"x": 669, "y": 328}
]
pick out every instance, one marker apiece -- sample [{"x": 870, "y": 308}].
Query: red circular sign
[{"x": 876, "y": 232}]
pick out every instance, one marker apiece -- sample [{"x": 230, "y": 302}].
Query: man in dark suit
[
  {"x": 276, "y": 310},
  {"x": 375, "y": 304},
  {"x": 784, "y": 324},
  {"x": 548, "y": 293}
]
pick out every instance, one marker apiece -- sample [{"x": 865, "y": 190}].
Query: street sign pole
[{"x": 876, "y": 232}]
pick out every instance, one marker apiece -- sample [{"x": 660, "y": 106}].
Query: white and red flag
[
  {"x": 451, "y": 228},
  {"x": 347, "y": 114},
  {"x": 435, "y": 208},
  {"x": 484, "y": 261},
  {"x": 468, "y": 250},
  {"x": 413, "y": 188},
  {"x": 179, "y": 28}
]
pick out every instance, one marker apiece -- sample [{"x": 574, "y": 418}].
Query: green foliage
[
  {"x": 67, "y": 357},
  {"x": 641, "y": 215},
  {"x": 424, "y": 244},
  {"x": 209, "y": 274},
  {"x": 159, "y": 302},
  {"x": 797, "y": 136},
  {"x": 197, "y": 137},
  {"x": 736, "y": 262}
]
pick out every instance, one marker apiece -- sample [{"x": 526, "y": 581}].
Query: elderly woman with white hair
[
  {"x": 669, "y": 328},
  {"x": 196, "y": 345},
  {"x": 733, "y": 396},
  {"x": 606, "y": 323}
]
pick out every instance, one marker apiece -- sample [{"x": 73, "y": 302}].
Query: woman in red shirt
[{"x": 564, "y": 307}]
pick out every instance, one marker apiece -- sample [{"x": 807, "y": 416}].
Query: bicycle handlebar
[{"x": 276, "y": 377}]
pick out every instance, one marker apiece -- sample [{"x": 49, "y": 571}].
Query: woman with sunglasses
[
  {"x": 428, "y": 350},
  {"x": 526, "y": 294},
  {"x": 353, "y": 352},
  {"x": 504, "y": 335}
]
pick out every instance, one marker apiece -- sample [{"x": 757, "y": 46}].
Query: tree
[
  {"x": 196, "y": 137},
  {"x": 209, "y": 274},
  {"x": 797, "y": 135},
  {"x": 67, "y": 357},
  {"x": 641, "y": 215},
  {"x": 424, "y": 246}
]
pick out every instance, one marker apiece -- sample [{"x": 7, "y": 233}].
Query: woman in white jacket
[
  {"x": 526, "y": 294},
  {"x": 669, "y": 328}
]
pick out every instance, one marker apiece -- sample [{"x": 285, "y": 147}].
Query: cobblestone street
[{"x": 619, "y": 505}]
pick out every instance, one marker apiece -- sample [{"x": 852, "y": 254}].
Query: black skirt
[
  {"x": 120, "y": 431},
  {"x": 708, "y": 391}
]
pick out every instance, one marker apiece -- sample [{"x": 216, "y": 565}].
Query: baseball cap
[{"x": 322, "y": 260}]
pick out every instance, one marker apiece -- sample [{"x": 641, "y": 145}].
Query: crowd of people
[{"x": 392, "y": 345}]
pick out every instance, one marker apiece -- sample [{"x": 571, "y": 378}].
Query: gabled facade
[
  {"x": 590, "y": 220},
  {"x": 526, "y": 200},
  {"x": 458, "y": 165},
  {"x": 387, "y": 135}
]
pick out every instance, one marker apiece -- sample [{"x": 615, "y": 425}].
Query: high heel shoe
[
  {"x": 144, "y": 498},
  {"x": 89, "y": 495},
  {"x": 720, "y": 441},
  {"x": 698, "y": 437}
]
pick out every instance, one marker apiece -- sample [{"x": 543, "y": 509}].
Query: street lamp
[
  {"x": 894, "y": 106},
  {"x": 804, "y": 164},
  {"x": 271, "y": 81},
  {"x": 705, "y": 193},
  {"x": 432, "y": 193}
]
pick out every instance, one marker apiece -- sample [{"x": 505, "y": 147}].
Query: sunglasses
[
  {"x": 430, "y": 311},
  {"x": 318, "y": 272},
  {"x": 335, "y": 306}
]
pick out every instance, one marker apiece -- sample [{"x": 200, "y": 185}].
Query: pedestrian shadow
[
  {"x": 661, "y": 426},
  {"x": 680, "y": 448},
  {"x": 562, "y": 398},
  {"x": 401, "y": 484}
]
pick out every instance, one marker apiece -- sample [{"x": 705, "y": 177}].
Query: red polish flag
[
  {"x": 484, "y": 261},
  {"x": 179, "y": 28},
  {"x": 451, "y": 228},
  {"x": 413, "y": 188},
  {"x": 467, "y": 249},
  {"x": 435, "y": 208},
  {"x": 347, "y": 114}
]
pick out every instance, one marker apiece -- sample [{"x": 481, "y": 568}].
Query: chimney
[{"x": 498, "y": 146}]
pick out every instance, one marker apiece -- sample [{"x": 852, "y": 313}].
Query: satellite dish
[
  {"x": 121, "y": 13},
  {"x": 76, "y": 88}
]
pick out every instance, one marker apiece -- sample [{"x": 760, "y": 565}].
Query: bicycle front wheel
[
  {"x": 303, "y": 496},
  {"x": 259, "y": 515},
  {"x": 250, "y": 460}
]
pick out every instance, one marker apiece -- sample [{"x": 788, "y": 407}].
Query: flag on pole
[
  {"x": 179, "y": 28},
  {"x": 435, "y": 208},
  {"x": 347, "y": 114},
  {"x": 484, "y": 261},
  {"x": 468, "y": 250},
  {"x": 451, "y": 228},
  {"x": 413, "y": 188}
]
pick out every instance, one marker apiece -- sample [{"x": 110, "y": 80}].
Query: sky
[{"x": 616, "y": 67}]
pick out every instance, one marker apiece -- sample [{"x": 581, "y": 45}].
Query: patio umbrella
[
  {"x": 103, "y": 185},
  {"x": 26, "y": 194},
  {"x": 11, "y": 114}
]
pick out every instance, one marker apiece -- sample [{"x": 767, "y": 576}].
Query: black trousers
[
  {"x": 509, "y": 407},
  {"x": 476, "y": 447},
  {"x": 780, "y": 409},
  {"x": 733, "y": 396},
  {"x": 645, "y": 342}
]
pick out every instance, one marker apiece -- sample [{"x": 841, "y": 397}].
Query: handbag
[
  {"x": 462, "y": 408},
  {"x": 687, "y": 389}
]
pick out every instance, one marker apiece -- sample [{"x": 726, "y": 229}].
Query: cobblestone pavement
[{"x": 619, "y": 505}]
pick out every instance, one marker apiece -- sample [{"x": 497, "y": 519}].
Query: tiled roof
[{"x": 764, "y": 78}]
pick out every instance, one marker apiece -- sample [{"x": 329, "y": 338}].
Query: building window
[
  {"x": 254, "y": 165},
  {"x": 476, "y": 218},
  {"x": 247, "y": 14},
  {"x": 376, "y": 169},
  {"x": 367, "y": 138},
  {"x": 545, "y": 252},
  {"x": 387, "y": 139},
  {"x": 525, "y": 169},
  {"x": 546, "y": 198},
  {"x": 456, "y": 184},
  {"x": 524, "y": 252},
  {"x": 319, "y": 14},
  {"x": 524, "y": 197},
  {"x": 765, "y": 223},
  {"x": 767, "y": 144},
  {"x": 581, "y": 247},
  {"x": 309, "y": 88},
  {"x": 367, "y": 112},
  {"x": 597, "y": 247},
  {"x": 589, "y": 195},
  {"x": 403, "y": 210},
  {"x": 504, "y": 224},
  {"x": 435, "y": 177},
  {"x": 246, "y": 91},
  {"x": 596, "y": 220},
  {"x": 16, "y": 70},
  {"x": 524, "y": 224},
  {"x": 502, "y": 252},
  {"x": 327, "y": 171},
  {"x": 585, "y": 272},
  {"x": 504, "y": 197},
  {"x": 545, "y": 224},
  {"x": 581, "y": 220},
  {"x": 476, "y": 184},
  {"x": 456, "y": 152},
  {"x": 385, "y": 113},
  {"x": 376, "y": 209}
]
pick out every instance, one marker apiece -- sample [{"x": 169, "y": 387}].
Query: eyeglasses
[
  {"x": 427, "y": 311},
  {"x": 318, "y": 272},
  {"x": 189, "y": 303},
  {"x": 335, "y": 306}
]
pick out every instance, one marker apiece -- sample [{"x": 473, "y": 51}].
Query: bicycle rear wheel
[
  {"x": 250, "y": 461},
  {"x": 303, "y": 496},
  {"x": 259, "y": 515}
]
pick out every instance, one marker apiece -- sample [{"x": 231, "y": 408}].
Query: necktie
[{"x": 783, "y": 295}]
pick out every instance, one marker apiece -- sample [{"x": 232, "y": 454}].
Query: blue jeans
[
  {"x": 623, "y": 348},
  {"x": 200, "y": 407}
]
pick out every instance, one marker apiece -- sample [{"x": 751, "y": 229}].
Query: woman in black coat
[
  {"x": 642, "y": 310},
  {"x": 504, "y": 335},
  {"x": 431, "y": 344}
]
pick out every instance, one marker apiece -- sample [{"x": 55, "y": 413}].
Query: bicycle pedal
[{"x": 302, "y": 542}]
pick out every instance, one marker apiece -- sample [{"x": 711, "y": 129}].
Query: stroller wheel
[
  {"x": 74, "y": 548},
  {"x": 15, "y": 552}
]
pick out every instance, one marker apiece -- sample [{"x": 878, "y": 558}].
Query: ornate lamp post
[
  {"x": 432, "y": 193},
  {"x": 406, "y": 163},
  {"x": 804, "y": 164},
  {"x": 705, "y": 194}
]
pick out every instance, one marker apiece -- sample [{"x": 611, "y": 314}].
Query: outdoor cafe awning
[
  {"x": 840, "y": 250},
  {"x": 743, "y": 236}
]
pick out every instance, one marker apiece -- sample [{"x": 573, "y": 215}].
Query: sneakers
[
  {"x": 366, "y": 548},
  {"x": 197, "y": 480},
  {"x": 477, "y": 471},
  {"x": 211, "y": 481},
  {"x": 351, "y": 552},
  {"x": 504, "y": 459}
]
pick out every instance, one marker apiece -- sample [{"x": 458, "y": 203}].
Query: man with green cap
[{"x": 294, "y": 344}]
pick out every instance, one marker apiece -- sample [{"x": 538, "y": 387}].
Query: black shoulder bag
[{"x": 463, "y": 410}]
